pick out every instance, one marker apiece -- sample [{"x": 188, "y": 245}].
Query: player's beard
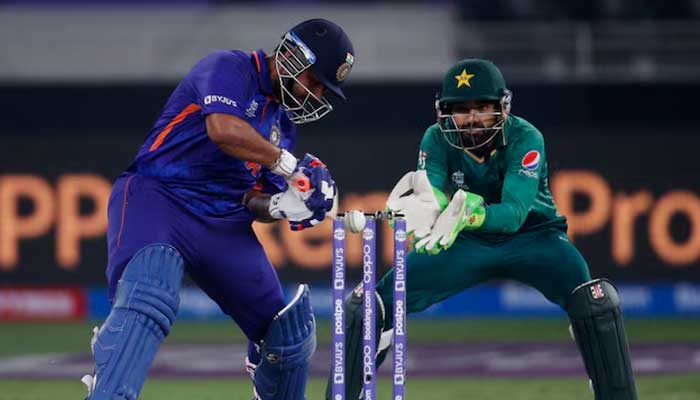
[
  {"x": 475, "y": 138},
  {"x": 479, "y": 139}
]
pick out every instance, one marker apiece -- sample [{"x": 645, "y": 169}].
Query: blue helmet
[{"x": 324, "y": 47}]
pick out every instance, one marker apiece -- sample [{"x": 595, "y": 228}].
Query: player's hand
[
  {"x": 289, "y": 204},
  {"x": 413, "y": 197},
  {"x": 464, "y": 210},
  {"x": 323, "y": 192},
  {"x": 310, "y": 197},
  {"x": 315, "y": 219},
  {"x": 314, "y": 184},
  {"x": 300, "y": 177},
  {"x": 319, "y": 213},
  {"x": 322, "y": 200}
]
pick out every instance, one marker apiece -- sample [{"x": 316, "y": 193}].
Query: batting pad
[
  {"x": 145, "y": 307},
  {"x": 286, "y": 350}
]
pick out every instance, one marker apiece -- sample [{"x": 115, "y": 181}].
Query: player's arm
[
  {"x": 223, "y": 85},
  {"x": 432, "y": 157},
  {"x": 259, "y": 205},
  {"x": 239, "y": 139}
]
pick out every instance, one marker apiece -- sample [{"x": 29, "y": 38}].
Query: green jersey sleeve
[
  {"x": 524, "y": 160},
  {"x": 432, "y": 157}
]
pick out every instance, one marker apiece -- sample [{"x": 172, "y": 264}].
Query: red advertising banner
[{"x": 42, "y": 303}]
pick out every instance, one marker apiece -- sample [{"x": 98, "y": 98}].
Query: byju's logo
[{"x": 212, "y": 98}]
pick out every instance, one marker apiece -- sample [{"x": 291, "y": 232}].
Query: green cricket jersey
[{"x": 513, "y": 180}]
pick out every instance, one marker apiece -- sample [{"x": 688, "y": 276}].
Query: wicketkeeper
[{"x": 480, "y": 208}]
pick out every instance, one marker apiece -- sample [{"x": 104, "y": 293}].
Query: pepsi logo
[{"x": 531, "y": 160}]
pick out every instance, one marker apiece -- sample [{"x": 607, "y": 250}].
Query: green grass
[
  {"x": 21, "y": 338},
  {"x": 25, "y": 338},
  {"x": 681, "y": 387}
]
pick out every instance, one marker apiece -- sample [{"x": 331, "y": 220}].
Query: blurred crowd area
[
  {"x": 518, "y": 10},
  {"x": 533, "y": 41},
  {"x": 591, "y": 10}
]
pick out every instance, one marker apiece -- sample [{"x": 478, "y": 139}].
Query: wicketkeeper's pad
[
  {"x": 594, "y": 310},
  {"x": 354, "y": 312}
]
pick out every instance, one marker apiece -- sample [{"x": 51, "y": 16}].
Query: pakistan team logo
[{"x": 275, "y": 135}]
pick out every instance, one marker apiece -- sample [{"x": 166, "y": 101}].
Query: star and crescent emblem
[{"x": 463, "y": 79}]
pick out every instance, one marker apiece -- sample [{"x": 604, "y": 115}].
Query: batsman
[{"x": 479, "y": 208}]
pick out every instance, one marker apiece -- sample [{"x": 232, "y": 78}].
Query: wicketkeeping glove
[
  {"x": 420, "y": 203},
  {"x": 465, "y": 211}
]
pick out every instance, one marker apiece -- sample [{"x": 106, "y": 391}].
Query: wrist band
[{"x": 285, "y": 164}]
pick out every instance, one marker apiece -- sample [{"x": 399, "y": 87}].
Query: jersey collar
[{"x": 264, "y": 81}]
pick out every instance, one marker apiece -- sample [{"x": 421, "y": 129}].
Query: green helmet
[
  {"x": 469, "y": 80},
  {"x": 472, "y": 79}
]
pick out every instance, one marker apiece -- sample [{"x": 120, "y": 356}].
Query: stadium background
[{"x": 611, "y": 84}]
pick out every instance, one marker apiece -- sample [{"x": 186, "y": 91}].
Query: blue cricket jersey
[{"x": 179, "y": 153}]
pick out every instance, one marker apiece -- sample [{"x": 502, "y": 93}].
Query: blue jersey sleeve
[{"x": 224, "y": 81}]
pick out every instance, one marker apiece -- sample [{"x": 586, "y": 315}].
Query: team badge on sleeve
[
  {"x": 531, "y": 160},
  {"x": 422, "y": 155},
  {"x": 275, "y": 135}
]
